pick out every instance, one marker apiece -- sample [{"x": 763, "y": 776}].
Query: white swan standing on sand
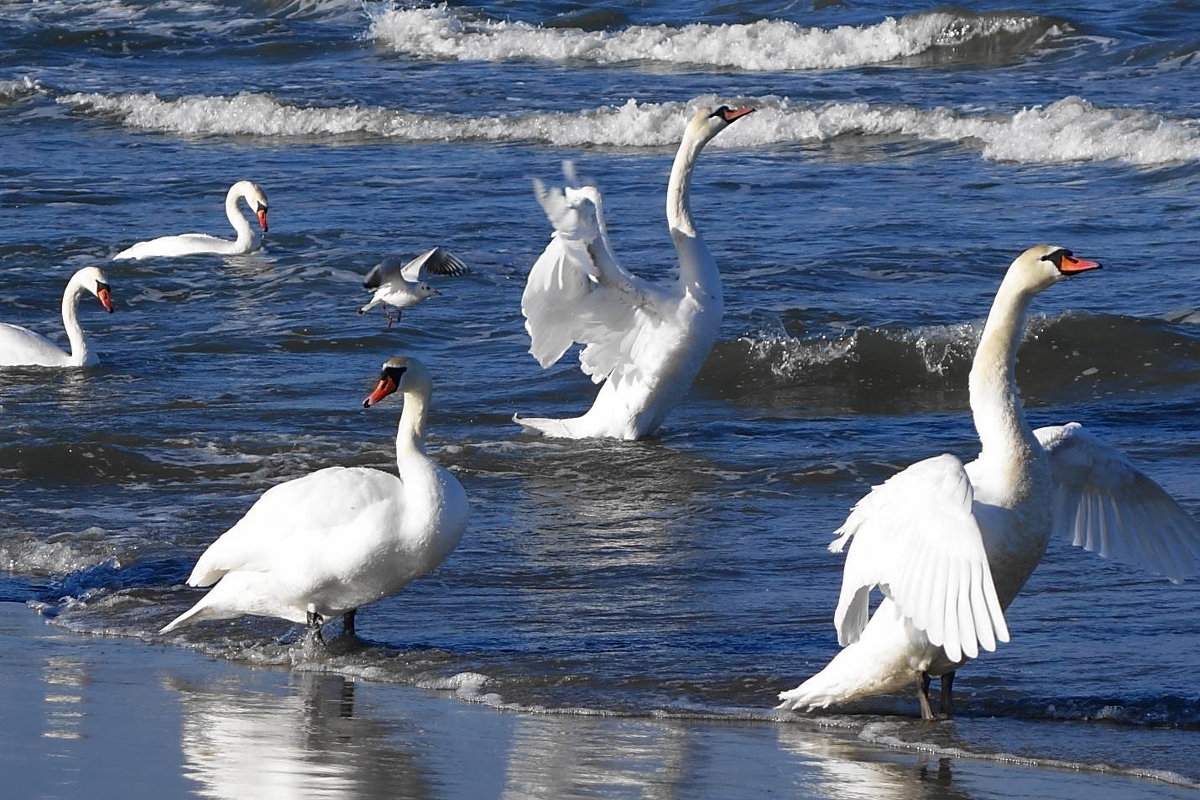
[
  {"x": 186, "y": 244},
  {"x": 950, "y": 545},
  {"x": 645, "y": 341},
  {"x": 323, "y": 545},
  {"x": 401, "y": 284},
  {"x": 22, "y": 347}
]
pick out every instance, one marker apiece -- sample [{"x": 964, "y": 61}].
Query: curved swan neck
[
  {"x": 245, "y": 234},
  {"x": 995, "y": 398},
  {"x": 679, "y": 211},
  {"x": 80, "y": 352},
  {"x": 410, "y": 436},
  {"x": 697, "y": 269}
]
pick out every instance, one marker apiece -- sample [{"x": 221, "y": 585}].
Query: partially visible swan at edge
[
  {"x": 323, "y": 545},
  {"x": 400, "y": 284},
  {"x": 645, "y": 341},
  {"x": 186, "y": 244},
  {"x": 22, "y": 347},
  {"x": 950, "y": 545}
]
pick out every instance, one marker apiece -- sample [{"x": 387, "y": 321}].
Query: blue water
[{"x": 901, "y": 156}]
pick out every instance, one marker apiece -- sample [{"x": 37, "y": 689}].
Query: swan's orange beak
[
  {"x": 262, "y": 219},
  {"x": 1071, "y": 265},
  {"x": 105, "y": 298},
  {"x": 386, "y": 386},
  {"x": 736, "y": 113}
]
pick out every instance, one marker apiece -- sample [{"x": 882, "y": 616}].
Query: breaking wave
[
  {"x": 1069, "y": 130},
  {"x": 440, "y": 32}
]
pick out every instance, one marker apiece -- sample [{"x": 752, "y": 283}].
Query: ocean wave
[
  {"x": 764, "y": 45},
  {"x": 1069, "y": 130},
  {"x": 1063, "y": 357},
  {"x": 16, "y": 90}
]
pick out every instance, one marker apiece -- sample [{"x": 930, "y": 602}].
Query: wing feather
[
  {"x": 577, "y": 291},
  {"x": 917, "y": 539},
  {"x": 1105, "y": 504}
]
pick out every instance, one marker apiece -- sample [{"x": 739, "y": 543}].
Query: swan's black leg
[
  {"x": 947, "y": 708},
  {"x": 923, "y": 696},
  {"x": 348, "y": 622}
]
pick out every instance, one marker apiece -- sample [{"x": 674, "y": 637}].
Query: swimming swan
[
  {"x": 186, "y": 244},
  {"x": 323, "y": 545},
  {"x": 22, "y": 347},
  {"x": 951, "y": 545},
  {"x": 645, "y": 341}
]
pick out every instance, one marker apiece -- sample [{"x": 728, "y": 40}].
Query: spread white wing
[
  {"x": 1103, "y": 503},
  {"x": 916, "y": 538},
  {"x": 577, "y": 291}
]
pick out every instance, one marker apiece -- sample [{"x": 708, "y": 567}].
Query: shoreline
[{"x": 96, "y": 717}]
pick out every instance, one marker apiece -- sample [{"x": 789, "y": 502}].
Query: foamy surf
[
  {"x": 1069, "y": 130},
  {"x": 764, "y": 45}
]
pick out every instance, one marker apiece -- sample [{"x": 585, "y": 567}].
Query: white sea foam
[
  {"x": 1071, "y": 129},
  {"x": 15, "y": 90},
  {"x": 764, "y": 45}
]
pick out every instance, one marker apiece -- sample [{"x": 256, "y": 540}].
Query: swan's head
[
  {"x": 95, "y": 281},
  {"x": 1044, "y": 265},
  {"x": 400, "y": 374},
  {"x": 708, "y": 122},
  {"x": 255, "y": 197}
]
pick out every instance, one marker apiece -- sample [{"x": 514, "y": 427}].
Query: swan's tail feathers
[
  {"x": 194, "y": 614},
  {"x": 553, "y": 428},
  {"x": 855, "y": 672}
]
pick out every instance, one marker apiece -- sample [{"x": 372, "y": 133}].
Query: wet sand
[{"x": 99, "y": 717}]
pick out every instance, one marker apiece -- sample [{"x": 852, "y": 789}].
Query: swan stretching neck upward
[
  {"x": 186, "y": 244},
  {"x": 645, "y": 342},
  {"x": 401, "y": 285},
  {"x": 22, "y": 347},
  {"x": 950, "y": 545},
  {"x": 323, "y": 545}
]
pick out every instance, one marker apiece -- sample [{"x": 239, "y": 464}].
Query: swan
[
  {"x": 186, "y": 244},
  {"x": 950, "y": 545},
  {"x": 645, "y": 341},
  {"x": 400, "y": 284},
  {"x": 22, "y": 347},
  {"x": 323, "y": 545}
]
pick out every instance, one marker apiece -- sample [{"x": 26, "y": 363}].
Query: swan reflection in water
[{"x": 305, "y": 743}]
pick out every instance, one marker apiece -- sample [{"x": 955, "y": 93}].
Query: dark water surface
[{"x": 900, "y": 158}]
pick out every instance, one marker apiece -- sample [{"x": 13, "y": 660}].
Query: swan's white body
[
  {"x": 325, "y": 544},
  {"x": 951, "y": 545},
  {"x": 22, "y": 347},
  {"x": 186, "y": 244},
  {"x": 402, "y": 285},
  {"x": 645, "y": 341}
]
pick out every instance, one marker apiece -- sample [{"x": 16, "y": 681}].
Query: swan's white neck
[
  {"x": 245, "y": 234},
  {"x": 80, "y": 352},
  {"x": 698, "y": 271},
  {"x": 996, "y": 406},
  {"x": 410, "y": 436}
]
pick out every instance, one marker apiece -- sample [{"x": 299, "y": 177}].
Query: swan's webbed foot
[{"x": 923, "y": 682}]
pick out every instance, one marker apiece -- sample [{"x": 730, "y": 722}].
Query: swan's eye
[
  {"x": 720, "y": 112},
  {"x": 102, "y": 287},
  {"x": 1056, "y": 257},
  {"x": 393, "y": 372}
]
